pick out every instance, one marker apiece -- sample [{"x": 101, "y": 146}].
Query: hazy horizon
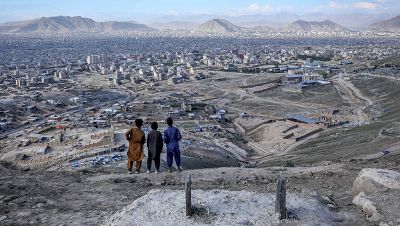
[{"x": 197, "y": 11}]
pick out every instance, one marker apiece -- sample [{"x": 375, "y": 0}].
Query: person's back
[
  {"x": 136, "y": 139},
  {"x": 172, "y": 136},
  {"x": 154, "y": 145},
  {"x": 154, "y": 141}
]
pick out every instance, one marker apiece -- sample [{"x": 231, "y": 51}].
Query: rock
[
  {"x": 310, "y": 192},
  {"x": 376, "y": 180},
  {"x": 327, "y": 200},
  {"x": 3, "y": 218},
  {"x": 331, "y": 206},
  {"x": 376, "y": 191},
  {"x": 368, "y": 207}
]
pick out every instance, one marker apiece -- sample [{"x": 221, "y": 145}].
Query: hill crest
[
  {"x": 219, "y": 26},
  {"x": 319, "y": 26},
  {"x": 392, "y": 24},
  {"x": 67, "y": 24}
]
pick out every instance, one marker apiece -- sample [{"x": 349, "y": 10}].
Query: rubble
[{"x": 376, "y": 192}]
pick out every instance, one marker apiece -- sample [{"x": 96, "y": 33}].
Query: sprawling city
[{"x": 282, "y": 121}]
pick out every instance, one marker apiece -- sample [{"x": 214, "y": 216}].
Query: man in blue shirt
[{"x": 172, "y": 136}]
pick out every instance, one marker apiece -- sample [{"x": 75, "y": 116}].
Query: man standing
[
  {"x": 172, "y": 136},
  {"x": 154, "y": 146},
  {"x": 136, "y": 139}
]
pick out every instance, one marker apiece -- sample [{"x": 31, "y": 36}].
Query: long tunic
[
  {"x": 136, "y": 139},
  {"x": 172, "y": 136},
  {"x": 154, "y": 143}
]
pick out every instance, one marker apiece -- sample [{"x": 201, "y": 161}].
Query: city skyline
[{"x": 159, "y": 10}]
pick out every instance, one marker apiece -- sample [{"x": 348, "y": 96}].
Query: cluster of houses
[{"x": 298, "y": 82}]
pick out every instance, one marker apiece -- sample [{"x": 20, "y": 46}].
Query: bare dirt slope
[
  {"x": 382, "y": 132},
  {"x": 220, "y": 207},
  {"x": 88, "y": 197}
]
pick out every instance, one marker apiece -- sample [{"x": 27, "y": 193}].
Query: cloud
[
  {"x": 365, "y": 5},
  {"x": 255, "y": 8},
  {"x": 335, "y": 5},
  {"x": 266, "y": 8}
]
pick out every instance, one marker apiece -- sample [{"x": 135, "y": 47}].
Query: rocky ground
[
  {"x": 220, "y": 207},
  {"x": 89, "y": 197}
]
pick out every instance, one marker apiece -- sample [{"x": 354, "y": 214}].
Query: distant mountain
[
  {"x": 174, "y": 25},
  {"x": 261, "y": 23},
  {"x": 354, "y": 20},
  {"x": 66, "y": 24},
  {"x": 387, "y": 25},
  {"x": 219, "y": 26},
  {"x": 121, "y": 26},
  {"x": 320, "y": 26}
]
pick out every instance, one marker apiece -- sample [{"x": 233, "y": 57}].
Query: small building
[
  {"x": 303, "y": 119},
  {"x": 39, "y": 138},
  {"x": 74, "y": 99},
  {"x": 42, "y": 150},
  {"x": 294, "y": 78},
  {"x": 98, "y": 123},
  {"x": 25, "y": 142},
  {"x": 191, "y": 115},
  {"x": 175, "y": 80},
  {"x": 31, "y": 109},
  {"x": 4, "y": 126},
  {"x": 214, "y": 117},
  {"x": 244, "y": 115}
]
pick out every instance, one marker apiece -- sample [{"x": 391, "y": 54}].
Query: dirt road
[{"x": 358, "y": 100}]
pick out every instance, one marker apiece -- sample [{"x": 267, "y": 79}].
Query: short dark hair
[
  {"x": 170, "y": 121},
  {"x": 154, "y": 125},
  {"x": 138, "y": 122}
]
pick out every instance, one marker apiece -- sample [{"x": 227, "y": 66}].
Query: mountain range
[
  {"x": 354, "y": 21},
  {"x": 320, "y": 26},
  {"x": 224, "y": 26},
  {"x": 66, "y": 24},
  {"x": 250, "y": 23},
  {"x": 218, "y": 26},
  {"x": 392, "y": 24}
]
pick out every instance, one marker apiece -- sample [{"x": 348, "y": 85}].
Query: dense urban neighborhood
[{"x": 313, "y": 101}]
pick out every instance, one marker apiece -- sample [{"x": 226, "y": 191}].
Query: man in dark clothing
[
  {"x": 172, "y": 136},
  {"x": 154, "y": 146}
]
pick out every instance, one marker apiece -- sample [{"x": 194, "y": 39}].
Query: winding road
[{"x": 357, "y": 97}]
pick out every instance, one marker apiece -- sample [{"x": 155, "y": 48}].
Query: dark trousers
[
  {"x": 138, "y": 165},
  {"x": 174, "y": 154},
  {"x": 156, "y": 161}
]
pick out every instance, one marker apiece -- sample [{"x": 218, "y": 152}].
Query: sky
[{"x": 147, "y": 10}]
